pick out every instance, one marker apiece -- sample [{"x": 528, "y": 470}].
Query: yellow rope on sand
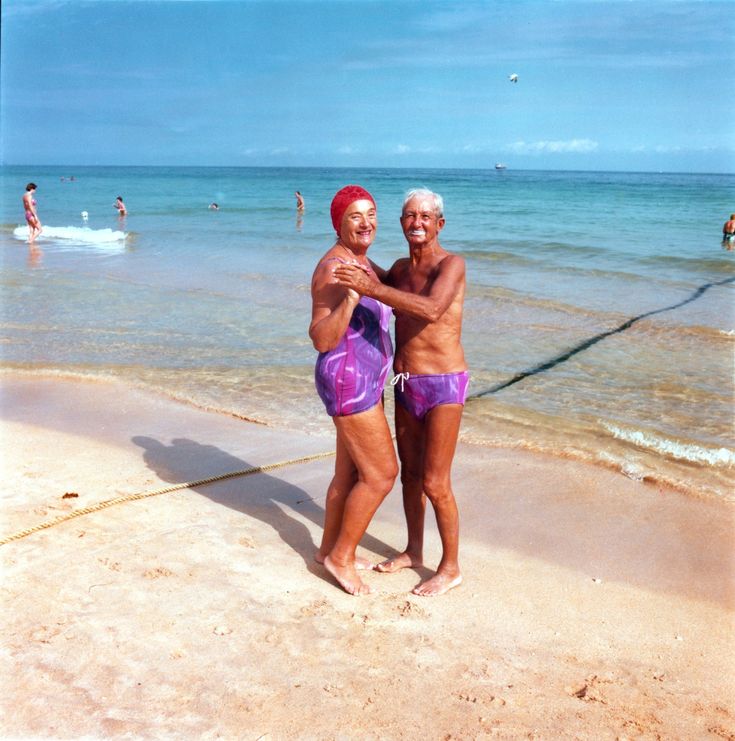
[{"x": 165, "y": 490}]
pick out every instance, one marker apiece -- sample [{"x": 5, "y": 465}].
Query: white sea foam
[
  {"x": 79, "y": 235},
  {"x": 673, "y": 449}
]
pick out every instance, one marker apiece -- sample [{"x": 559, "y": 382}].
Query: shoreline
[
  {"x": 593, "y": 607},
  {"x": 715, "y": 489}
]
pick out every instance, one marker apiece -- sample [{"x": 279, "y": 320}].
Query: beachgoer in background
[
  {"x": 213, "y": 207},
  {"x": 120, "y": 206},
  {"x": 300, "y": 205},
  {"x": 352, "y": 335},
  {"x": 426, "y": 290},
  {"x": 29, "y": 205},
  {"x": 728, "y": 232}
]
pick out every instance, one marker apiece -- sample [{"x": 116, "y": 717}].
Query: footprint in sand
[
  {"x": 43, "y": 634},
  {"x": 410, "y": 609},
  {"x": 590, "y": 691},
  {"x": 318, "y": 607},
  {"x": 158, "y": 572},
  {"x": 112, "y": 565}
]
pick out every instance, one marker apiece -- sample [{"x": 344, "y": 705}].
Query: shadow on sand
[{"x": 262, "y": 496}]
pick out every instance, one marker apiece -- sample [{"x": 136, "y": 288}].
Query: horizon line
[{"x": 505, "y": 170}]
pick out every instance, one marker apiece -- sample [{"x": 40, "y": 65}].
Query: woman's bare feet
[
  {"x": 347, "y": 577},
  {"x": 401, "y": 561},
  {"x": 361, "y": 564},
  {"x": 438, "y": 584}
]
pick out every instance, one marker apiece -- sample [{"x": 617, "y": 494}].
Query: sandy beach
[{"x": 593, "y": 607}]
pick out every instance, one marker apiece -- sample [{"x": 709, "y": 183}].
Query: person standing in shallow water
[
  {"x": 29, "y": 206},
  {"x": 427, "y": 291},
  {"x": 120, "y": 206},
  {"x": 352, "y": 335},
  {"x": 728, "y": 233}
]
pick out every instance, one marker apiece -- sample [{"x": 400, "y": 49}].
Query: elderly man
[{"x": 426, "y": 289}]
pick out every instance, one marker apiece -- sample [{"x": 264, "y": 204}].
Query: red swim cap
[{"x": 349, "y": 194}]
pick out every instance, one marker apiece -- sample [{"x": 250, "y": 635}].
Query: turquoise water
[{"x": 599, "y": 313}]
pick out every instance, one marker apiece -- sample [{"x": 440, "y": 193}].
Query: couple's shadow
[{"x": 261, "y": 496}]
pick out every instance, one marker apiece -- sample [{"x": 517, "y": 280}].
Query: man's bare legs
[
  {"x": 366, "y": 439},
  {"x": 433, "y": 443},
  {"x": 440, "y": 442},
  {"x": 344, "y": 479},
  {"x": 410, "y": 442}
]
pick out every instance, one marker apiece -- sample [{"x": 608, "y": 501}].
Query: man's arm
[
  {"x": 382, "y": 273},
  {"x": 450, "y": 274}
]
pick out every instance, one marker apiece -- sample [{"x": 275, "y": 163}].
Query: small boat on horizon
[{"x": 500, "y": 166}]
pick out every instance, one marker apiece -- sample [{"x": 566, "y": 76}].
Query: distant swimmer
[
  {"x": 213, "y": 207},
  {"x": 300, "y": 205},
  {"x": 29, "y": 204},
  {"x": 120, "y": 206},
  {"x": 728, "y": 233}
]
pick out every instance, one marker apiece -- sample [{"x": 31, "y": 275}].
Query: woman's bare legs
[
  {"x": 366, "y": 439},
  {"x": 344, "y": 479}
]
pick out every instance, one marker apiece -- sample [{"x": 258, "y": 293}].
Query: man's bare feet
[
  {"x": 401, "y": 561},
  {"x": 438, "y": 584},
  {"x": 347, "y": 577},
  {"x": 361, "y": 564}
]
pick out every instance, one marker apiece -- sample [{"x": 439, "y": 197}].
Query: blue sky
[{"x": 640, "y": 85}]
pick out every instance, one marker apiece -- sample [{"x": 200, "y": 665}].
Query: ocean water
[{"x": 598, "y": 322}]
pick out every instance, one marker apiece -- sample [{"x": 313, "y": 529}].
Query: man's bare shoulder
[
  {"x": 398, "y": 268},
  {"x": 401, "y": 263},
  {"x": 451, "y": 263}
]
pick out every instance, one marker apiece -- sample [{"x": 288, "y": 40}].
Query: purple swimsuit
[
  {"x": 420, "y": 394},
  {"x": 350, "y": 378}
]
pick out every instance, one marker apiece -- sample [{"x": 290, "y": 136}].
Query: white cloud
[
  {"x": 406, "y": 149},
  {"x": 577, "y": 146}
]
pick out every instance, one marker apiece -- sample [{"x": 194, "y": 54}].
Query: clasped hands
[{"x": 353, "y": 276}]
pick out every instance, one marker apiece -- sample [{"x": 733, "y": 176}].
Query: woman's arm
[{"x": 331, "y": 310}]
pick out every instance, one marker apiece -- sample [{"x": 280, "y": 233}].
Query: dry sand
[{"x": 593, "y": 607}]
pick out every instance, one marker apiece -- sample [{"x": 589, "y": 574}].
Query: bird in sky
[{"x": 513, "y": 77}]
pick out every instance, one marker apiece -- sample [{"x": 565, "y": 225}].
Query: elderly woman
[{"x": 355, "y": 353}]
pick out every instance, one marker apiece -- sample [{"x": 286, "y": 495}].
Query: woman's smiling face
[{"x": 359, "y": 223}]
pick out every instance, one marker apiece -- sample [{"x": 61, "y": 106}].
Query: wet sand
[{"x": 593, "y": 606}]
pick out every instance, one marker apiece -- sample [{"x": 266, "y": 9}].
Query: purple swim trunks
[
  {"x": 420, "y": 394},
  {"x": 350, "y": 378}
]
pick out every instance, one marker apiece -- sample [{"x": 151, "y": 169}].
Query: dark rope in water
[{"x": 549, "y": 364}]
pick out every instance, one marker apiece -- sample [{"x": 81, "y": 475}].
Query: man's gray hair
[{"x": 426, "y": 193}]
